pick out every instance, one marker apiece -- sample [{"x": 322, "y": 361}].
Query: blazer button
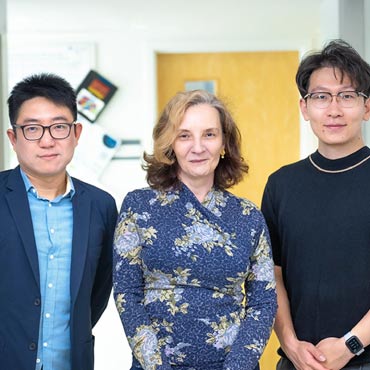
[
  {"x": 37, "y": 302},
  {"x": 32, "y": 346}
]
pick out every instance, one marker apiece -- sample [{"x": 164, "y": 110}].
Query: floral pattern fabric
[{"x": 193, "y": 282}]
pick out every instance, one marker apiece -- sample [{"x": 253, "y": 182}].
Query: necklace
[{"x": 338, "y": 171}]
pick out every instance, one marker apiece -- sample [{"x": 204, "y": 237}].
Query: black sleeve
[{"x": 268, "y": 208}]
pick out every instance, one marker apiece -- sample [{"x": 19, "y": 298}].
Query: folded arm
[{"x": 335, "y": 350}]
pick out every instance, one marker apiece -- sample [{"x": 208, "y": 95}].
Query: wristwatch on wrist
[{"x": 354, "y": 344}]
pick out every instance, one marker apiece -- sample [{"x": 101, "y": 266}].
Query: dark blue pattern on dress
[{"x": 179, "y": 268}]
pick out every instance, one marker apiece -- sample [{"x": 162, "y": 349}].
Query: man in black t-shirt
[{"x": 318, "y": 214}]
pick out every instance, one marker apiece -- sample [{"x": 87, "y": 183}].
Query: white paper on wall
[
  {"x": 93, "y": 153},
  {"x": 70, "y": 60}
]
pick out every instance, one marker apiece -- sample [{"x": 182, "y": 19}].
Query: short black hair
[
  {"x": 339, "y": 55},
  {"x": 46, "y": 85}
]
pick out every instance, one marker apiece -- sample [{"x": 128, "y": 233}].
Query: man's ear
[
  {"x": 303, "y": 106},
  {"x": 367, "y": 110},
  {"x": 77, "y": 130},
  {"x": 12, "y": 136}
]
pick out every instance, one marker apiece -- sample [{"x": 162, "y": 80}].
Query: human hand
[
  {"x": 305, "y": 356},
  {"x": 335, "y": 351}
]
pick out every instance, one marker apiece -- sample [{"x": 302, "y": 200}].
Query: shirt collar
[{"x": 70, "y": 189}]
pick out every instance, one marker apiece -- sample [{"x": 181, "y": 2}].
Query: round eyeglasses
[
  {"x": 345, "y": 99},
  {"x": 35, "y": 132}
]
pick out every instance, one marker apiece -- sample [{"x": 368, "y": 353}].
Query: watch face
[{"x": 354, "y": 344}]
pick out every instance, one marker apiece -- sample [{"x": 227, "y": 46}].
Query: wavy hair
[{"x": 162, "y": 166}]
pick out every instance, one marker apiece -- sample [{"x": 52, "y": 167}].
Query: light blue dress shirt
[{"x": 53, "y": 227}]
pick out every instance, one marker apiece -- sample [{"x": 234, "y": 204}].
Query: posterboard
[{"x": 69, "y": 60}]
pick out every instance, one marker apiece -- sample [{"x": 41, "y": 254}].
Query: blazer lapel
[
  {"x": 81, "y": 227},
  {"x": 19, "y": 208}
]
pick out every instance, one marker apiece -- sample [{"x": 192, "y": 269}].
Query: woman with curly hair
[{"x": 193, "y": 274}]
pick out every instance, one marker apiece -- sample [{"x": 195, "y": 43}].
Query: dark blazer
[{"x": 94, "y": 215}]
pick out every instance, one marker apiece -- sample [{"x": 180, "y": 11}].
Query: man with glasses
[
  {"x": 318, "y": 214},
  {"x": 55, "y": 236}
]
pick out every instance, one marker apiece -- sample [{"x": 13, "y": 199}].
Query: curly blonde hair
[{"x": 162, "y": 166}]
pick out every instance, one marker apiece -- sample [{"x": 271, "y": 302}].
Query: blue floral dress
[{"x": 179, "y": 271}]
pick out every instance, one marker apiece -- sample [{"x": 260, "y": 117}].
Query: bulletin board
[{"x": 70, "y": 60}]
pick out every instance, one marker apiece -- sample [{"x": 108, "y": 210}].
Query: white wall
[{"x": 126, "y": 35}]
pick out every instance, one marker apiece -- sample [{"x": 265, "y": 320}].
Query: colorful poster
[{"x": 93, "y": 95}]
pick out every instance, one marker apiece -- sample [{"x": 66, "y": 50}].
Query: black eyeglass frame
[{"x": 22, "y": 127}]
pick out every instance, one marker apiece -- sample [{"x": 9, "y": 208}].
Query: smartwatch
[{"x": 354, "y": 344}]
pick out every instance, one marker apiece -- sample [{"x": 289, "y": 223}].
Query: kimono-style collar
[{"x": 214, "y": 199}]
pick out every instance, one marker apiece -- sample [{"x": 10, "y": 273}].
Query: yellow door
[{"x": 259, "y": 89}]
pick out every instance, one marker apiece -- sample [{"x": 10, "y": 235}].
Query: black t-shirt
[{"x": 319, "y": 225}]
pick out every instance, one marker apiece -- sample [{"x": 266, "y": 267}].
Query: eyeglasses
[
  {"x": 345, "y": 99},
  {"x": 35, "y": 132}
]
